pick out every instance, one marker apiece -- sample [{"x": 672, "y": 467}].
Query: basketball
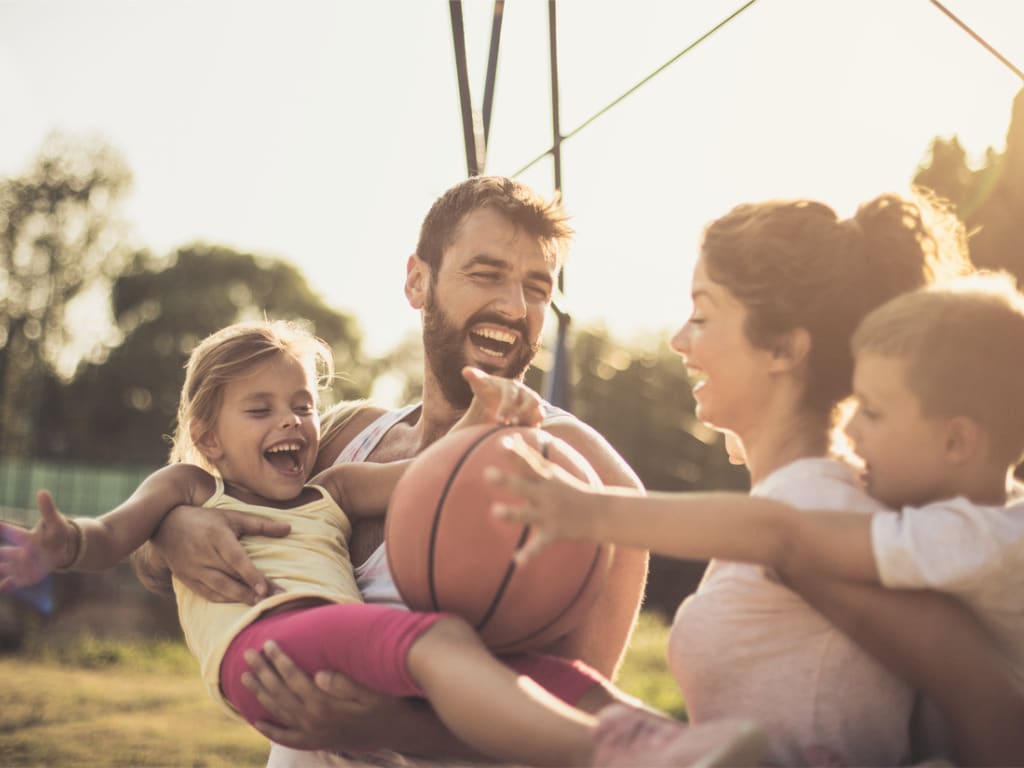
[{"x": 448, "y": 553}]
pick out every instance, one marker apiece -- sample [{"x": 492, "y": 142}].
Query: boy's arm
[
  {"x": 602, "y": 635},
  {"x": 698, "y": 526}
]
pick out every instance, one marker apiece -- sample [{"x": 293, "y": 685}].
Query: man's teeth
[{"x": 491, "y": 333}]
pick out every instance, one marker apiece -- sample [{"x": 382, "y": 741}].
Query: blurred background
[{"x": 167, "y": 168}]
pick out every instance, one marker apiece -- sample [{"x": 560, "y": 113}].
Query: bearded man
[{"x": 482, "y": 277}]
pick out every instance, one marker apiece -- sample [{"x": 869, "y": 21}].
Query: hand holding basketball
[
  {"x": 554, "y": 503},
  {"x": 499, "y": 401}
]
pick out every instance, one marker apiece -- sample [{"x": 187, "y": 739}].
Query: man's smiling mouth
[{"x": 492, "y": 341}]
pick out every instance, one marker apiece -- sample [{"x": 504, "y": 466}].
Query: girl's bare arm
[
  {"x": 111, "y": 537},
  {"x": 362, "y": 489}
]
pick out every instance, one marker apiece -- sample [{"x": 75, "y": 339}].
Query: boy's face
[{"x": 903, "y": 451}]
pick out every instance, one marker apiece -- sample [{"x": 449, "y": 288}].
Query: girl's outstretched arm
[
  {"x": 90, "y": 544},
  {"x": 497, "y": 400},
  {"x": 364, "y": 489}
]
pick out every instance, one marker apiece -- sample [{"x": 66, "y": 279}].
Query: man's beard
[{"x": 444, "y": 347}]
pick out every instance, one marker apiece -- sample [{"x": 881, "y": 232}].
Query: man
[{"x": 482, "y": 278}]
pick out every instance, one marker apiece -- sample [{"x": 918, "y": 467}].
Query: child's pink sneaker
[{"x": 630, "y": 737}]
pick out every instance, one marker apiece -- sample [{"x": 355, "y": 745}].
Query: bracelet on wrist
[{"x": 79, "y": 555}]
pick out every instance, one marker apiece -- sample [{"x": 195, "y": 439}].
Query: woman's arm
[{"x": 940, "y": 648}]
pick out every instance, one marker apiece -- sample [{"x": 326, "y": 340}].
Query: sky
[{"x": 320, "y": 131}]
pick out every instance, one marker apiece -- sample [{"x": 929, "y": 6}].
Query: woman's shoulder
[{"x": 819, "y": 482}]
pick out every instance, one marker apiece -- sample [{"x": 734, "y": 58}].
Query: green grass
[
  {"x": 93, "y": 702},
  {"x": 644, "y": 672}
]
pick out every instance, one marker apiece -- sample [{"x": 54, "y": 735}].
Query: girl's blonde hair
[{"x": 225, "y": 356}]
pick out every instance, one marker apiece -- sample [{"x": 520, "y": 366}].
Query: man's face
[{"x": 486, "y": 304}]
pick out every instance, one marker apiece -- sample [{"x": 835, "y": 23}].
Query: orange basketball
[{"x": 448, "y": 553}]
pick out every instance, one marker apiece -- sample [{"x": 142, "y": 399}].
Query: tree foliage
[
  {"x": 990, "y": 199},
  {"x": 130, "y": 397},
  {"x": 59, "y": 235}
]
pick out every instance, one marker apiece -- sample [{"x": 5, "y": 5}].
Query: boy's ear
[
  {"x": 206, "y": 442},
  {"x": 417, "y": 281},
  {"x": 964, "y": 438},
  {"x": 790, "y": 349}
]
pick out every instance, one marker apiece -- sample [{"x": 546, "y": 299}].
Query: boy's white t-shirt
[
  {"x": 745, "y": 645},
  {"x": 973, "y": 552}
]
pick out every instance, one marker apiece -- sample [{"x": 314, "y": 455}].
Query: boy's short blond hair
[{"x": 963, "y": 344}]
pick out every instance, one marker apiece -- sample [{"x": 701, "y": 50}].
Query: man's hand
[
  {"x": 499, "y": 401},
  {"x": 201, "y": 548},
  {"x": 330, "y": 712}
]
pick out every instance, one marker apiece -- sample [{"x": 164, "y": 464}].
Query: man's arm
[
  {"x": 602, "y": 637},
  {"x": 349, "y": 717},
  {"x": 201, "y": 546}
]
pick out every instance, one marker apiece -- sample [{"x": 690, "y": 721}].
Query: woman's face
[{"x": 728, "y": 374}]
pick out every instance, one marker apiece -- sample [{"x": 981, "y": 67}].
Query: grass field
[{"x": 101, "y": 703}]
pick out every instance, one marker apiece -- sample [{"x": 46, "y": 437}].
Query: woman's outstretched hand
[{"x": 551, "y": 500}]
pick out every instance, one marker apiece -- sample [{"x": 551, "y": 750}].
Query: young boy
[{"x": 940, "y": 428}]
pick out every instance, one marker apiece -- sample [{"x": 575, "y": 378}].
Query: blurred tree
[
  {"x": 989, "y": 199},
  {"x": 639, "y": 398},
  {"x": 117, "y": 409},
  {"x": 59, "y": 237}
]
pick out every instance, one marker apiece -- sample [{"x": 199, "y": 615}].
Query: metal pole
[{"x": 459, "y": 43}]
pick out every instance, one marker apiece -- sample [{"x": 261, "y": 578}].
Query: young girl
[{"x": 248, "y": 432}]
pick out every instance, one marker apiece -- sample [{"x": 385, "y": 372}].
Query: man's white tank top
[
  {"x": 373, "y": 576},
  {"x": 374, "y": 580}
]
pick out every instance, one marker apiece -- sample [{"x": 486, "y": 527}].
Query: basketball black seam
[
  {"x": 569, "y": 604},
  {"x": 435, "y": 526},
  {"x": 510, "y": 571}
]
